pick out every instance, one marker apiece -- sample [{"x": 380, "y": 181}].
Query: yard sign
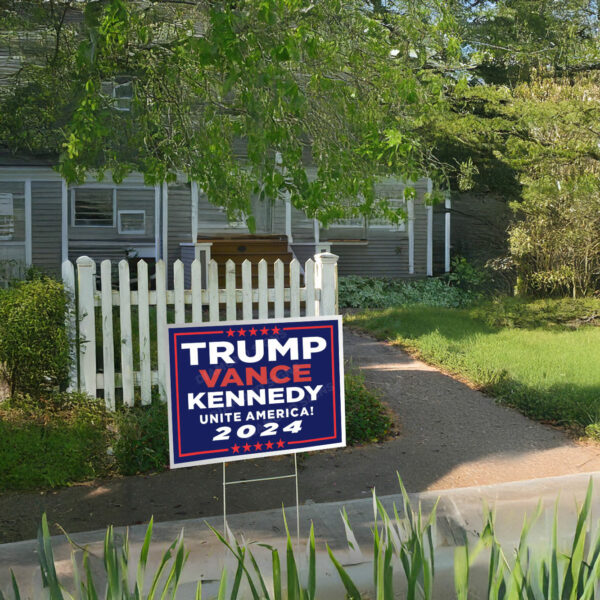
[{"x": 248, "y": 389}]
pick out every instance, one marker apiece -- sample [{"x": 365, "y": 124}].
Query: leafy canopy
[{"x": 221, "y": 89}]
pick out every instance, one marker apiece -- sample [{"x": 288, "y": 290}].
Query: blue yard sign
[{"x": 248, "y": 389}]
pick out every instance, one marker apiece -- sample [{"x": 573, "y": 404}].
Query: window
[
  {"x": 120, "y": 90},
  {"x": 7, "y": 217},
  {"x": 353, "y": 221},
  {"x": 123, "y": 95},
  {"x": 93, "y": 207},
  {"x": 382, "y": 223},
  {"x": 132, "y": 222}
]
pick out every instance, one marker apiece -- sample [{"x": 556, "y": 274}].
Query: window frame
[
  {"x": 401, "y": 225},
  {"x": 8, "y": 237},
  {"x": 128, "y": 99},
  {"x": 94, "y": 187},
  {"x": 131, "y": 211}
]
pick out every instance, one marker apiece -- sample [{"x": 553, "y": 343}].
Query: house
[{"x": 44, "y": 221}]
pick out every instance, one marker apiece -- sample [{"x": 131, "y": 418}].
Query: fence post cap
[
  {"x": 86, "y": 261},
  {"x": 326, "y": 258}
]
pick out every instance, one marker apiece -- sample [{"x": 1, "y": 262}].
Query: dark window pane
[{"x": 94, "y": 207}]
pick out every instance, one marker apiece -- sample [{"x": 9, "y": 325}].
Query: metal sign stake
[{"x": 294, "y": 475}]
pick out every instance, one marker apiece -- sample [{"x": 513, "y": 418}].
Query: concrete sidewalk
[{"x": 459, "y": 514}]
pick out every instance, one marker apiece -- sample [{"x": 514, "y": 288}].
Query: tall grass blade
[
  {"x": 141, "y": 570},
  {"x": 174, "y": 575},
  {"x": 573, "y": 585},
  {"x": 166, "y": 557},
  {"x": 293, "y": 580},
  {"x": 238, "y": 577},
  {"x": 222, "y": 595},
  {"x": 312, "y": 565},
  {"x": 261, "y": 580},
  {"x": 237, "y": 553},
  {"x": 90, "y": 587},
  {"x": 351, "y": 589},
  {"x": 46, "y": 560}
]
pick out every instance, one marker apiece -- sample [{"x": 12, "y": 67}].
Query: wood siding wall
[{"x": 46, "y": 226}]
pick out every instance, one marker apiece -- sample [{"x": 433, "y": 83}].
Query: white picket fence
[{"x": 316, "y": 294}]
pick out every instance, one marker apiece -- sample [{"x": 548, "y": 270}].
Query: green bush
[
  {"x": 367, "y": 419},
  {"x": 381, "y": 292},
  {"x": 468, "y": 277},
  {"x": 52, "y": 442},
  {"x": 34, "y": 344},
  {"x": 142, "y": 442}
]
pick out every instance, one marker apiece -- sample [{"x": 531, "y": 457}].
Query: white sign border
[{"x": 275, "y": 321}]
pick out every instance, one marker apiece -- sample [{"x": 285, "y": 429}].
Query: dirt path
[{"x": 451, "y": 436}]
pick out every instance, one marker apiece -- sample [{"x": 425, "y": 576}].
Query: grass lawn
[{"x": 538, "y": 356}]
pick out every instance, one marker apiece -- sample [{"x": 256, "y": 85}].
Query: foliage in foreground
[
  {"x": 547, "y": 368},
  {"x": 403, "y": 559}
]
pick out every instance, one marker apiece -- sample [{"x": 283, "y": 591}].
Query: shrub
[
  {"x": 142, "y": 442},
  {"x": 34, "y": 344},
  {"x": 381, "y": 292},
  {"x": 555, "y": 243},
  {"x": 468, "y": 277},
  {"x": 367, "y": 419},
  {"x": 52, "y": 442}
]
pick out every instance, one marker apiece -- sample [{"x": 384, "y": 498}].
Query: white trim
[
  {"x": 156, "y": 222},
  {"x": 448, "y": 207},
  {"x": 20, "y": 173},
  {"x": 288, "y": 220},
  {"x": 317, "y": 231},
  {"x": 165, "y": 222},
  {"x": 131, "y": 231},
  {"x": 429, "y": 208},
  {"x": 28, "y": 236},
  {"x": 94, "y": 187},
  {"x": 194, "y": 212},
  {"x": 64, "y": 221}
]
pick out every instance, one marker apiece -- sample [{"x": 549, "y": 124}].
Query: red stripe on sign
[
  {"x": 203, "y": 452},
  {"x": 175, "y": 336}
]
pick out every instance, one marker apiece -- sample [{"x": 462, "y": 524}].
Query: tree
[{"x": 349, "y": 87}]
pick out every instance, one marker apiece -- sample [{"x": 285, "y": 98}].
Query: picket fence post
[
  {"x": 68, "y": 276},
  {"x": 144, "y": 333},
  {"x": 161, "y": 327},
  {"x": 327, "y": 283},
  {"x": 86, "y": 271},
  {"x": 126, "y": 333},
  {"x": 108, "y": 348}
]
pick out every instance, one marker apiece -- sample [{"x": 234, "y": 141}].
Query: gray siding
[
  {"x": 382, "y": 251},
  {"x": 180, "y": 222},
  {"x": 46, "y": 226}
]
